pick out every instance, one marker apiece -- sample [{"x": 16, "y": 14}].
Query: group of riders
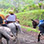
[{"x": 8, "y": 25}]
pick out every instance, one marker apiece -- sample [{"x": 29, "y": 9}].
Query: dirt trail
[{"x": 28, "y": 38}]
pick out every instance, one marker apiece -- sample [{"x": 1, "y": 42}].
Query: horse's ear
[
  {"x": 37, "y": 21},
  {"x": 32, "y": 20}
]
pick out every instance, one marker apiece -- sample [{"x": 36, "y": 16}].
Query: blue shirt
[{"x": 40, "y": 22}]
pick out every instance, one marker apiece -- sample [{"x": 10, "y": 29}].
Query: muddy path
[
  {"x": 30, "y": 38},
  {"x": 27, "y": 38}
]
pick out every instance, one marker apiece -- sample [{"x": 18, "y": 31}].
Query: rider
[
  {"x": 41, "y": 26},
  {"x": 11, "y": 18},
  {"x": 3, "y": 17}
]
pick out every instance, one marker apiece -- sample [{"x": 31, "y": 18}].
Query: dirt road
[{"x": 27, "y": 38}]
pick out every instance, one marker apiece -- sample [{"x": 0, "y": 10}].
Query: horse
[
  {"x": 41, "y": 28},
  {"x": 6, "y": 33},
  {"x": 35, "y": 22},
  {"x": 15, "y": 28}
]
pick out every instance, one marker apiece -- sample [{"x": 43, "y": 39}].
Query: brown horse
[{"x": 35, "y": 22}]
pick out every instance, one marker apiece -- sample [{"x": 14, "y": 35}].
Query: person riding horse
[
  {"x": 13, "y": 23},
  {"x": 10, "y": 23},
  {"x": 5, "y": 32},
  {"x": 11, "y": 18},
  {"x": 41, "y": 28},
  {"x": 40, "y": 24}
]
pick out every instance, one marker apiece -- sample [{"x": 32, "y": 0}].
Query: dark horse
[
  {"x": 41, "y": 28},
  {"x": 35, "y": 23}
]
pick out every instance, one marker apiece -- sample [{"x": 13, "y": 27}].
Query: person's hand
[{"x": 17, "y": 20}]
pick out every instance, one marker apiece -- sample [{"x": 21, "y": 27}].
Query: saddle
[
  {"x": 10, "y": 22},
  {"x": 4, "y": 25}
]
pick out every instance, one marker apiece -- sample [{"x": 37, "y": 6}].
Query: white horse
[
  {"x": 15, "y": 29},
  {"x": 6, "y": 33}
]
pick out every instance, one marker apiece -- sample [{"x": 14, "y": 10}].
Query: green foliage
[
  {"x": 20, "y": 5},
  {"x": 30, "y": 29},
  {"x": 39, "y": 4},
  {"x": 25, "y": 17},
  {"x": 7, "y": 10}
]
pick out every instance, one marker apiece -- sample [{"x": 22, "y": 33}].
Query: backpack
[{"x": 1, "y": 20}]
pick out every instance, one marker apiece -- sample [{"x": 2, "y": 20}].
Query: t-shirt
[{"x": 11, "y": 18}]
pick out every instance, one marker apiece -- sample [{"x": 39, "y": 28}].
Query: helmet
[{"x": 11, "y": 12}]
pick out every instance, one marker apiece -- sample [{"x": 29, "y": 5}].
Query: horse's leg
[
  {"x": 7, "y": 41},
  {"x": 39, "y": 37},
  {"x": 1, "y": 41}
]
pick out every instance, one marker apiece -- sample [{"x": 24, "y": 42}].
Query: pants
[{"x": 41, "y": 28}]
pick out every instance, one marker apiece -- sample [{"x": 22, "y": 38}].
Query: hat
[{"x": 11, "y": 11}]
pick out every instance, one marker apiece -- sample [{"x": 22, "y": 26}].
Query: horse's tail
[{"x": 16, "y": 30}]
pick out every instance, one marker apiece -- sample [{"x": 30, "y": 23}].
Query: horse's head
[{"x": 35, "y": 23}]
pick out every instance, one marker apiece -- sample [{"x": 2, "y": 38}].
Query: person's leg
[
  {"x": 40, "y": 28},
  {"x": 19, "y": 27}
]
